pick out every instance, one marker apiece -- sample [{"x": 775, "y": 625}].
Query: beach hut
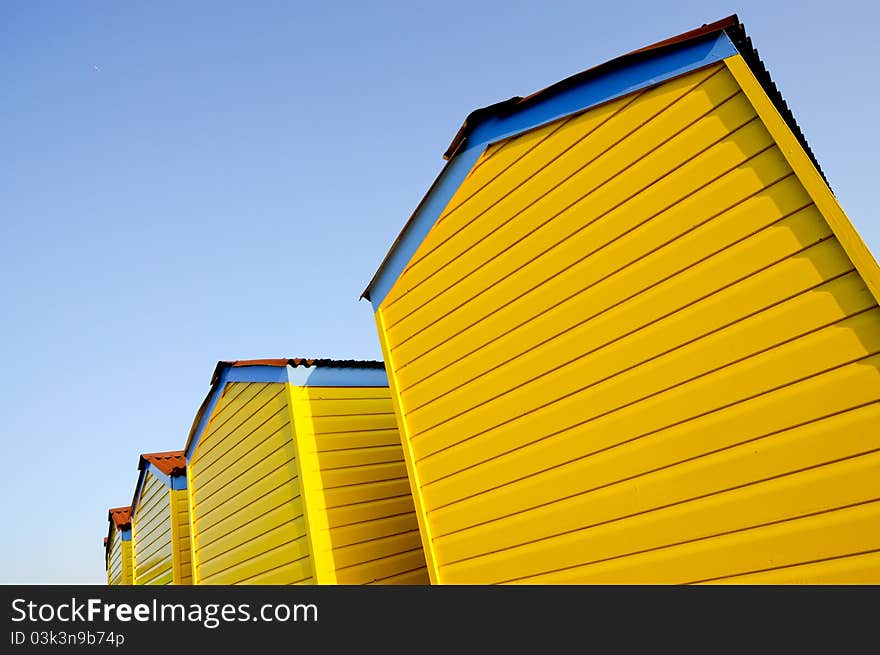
[
  {"x": 160, "y": 519},
  {"x": 296, "y": 475},
  {"x": 117, "y": 547},
  {"x": 632, "y": 337}
]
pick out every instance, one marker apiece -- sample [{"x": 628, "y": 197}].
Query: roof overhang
[
  {"x": 299, "y": 372},
  {"x": 119, "y": 520},
  {"x": 621, "y": 76},
  {"x": 169, "y": 467}
]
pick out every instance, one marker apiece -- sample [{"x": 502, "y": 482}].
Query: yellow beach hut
[
  {"x": 296, "y": 475},
  {"x": 632, "y": 337},
  {"x": 160, "y": 519},
  {"x": 117, "y": 547}
]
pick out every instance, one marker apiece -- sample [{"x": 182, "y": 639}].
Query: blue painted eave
[
  {"x": 298, "y": 376},
  {"x": 605, "y": 86},
  {"x": 638, "y": 75}
]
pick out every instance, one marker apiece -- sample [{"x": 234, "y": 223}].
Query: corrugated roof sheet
[
  {"x": 743, "y": 43},
  {"x": 171, "y": 462},
  {"x": 120, "y": 516}
]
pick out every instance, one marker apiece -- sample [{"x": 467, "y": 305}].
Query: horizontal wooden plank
[
  {"x": 827, "y": 535},
  {"x": 480, "y": 298},
  {"x": 574, "y": 419},
  {"x": 360, "y": 456},
  {"x": 160, "y": 542},
  {"x": 237, "y": 549},
  {"x": 359, "y": 423},
  {"x": 164, "y": 577},
  {"x": 673, "y": 241},
  {"x": 362, "y": 474},
  {"x": 369, "y": 511},
  {"x": 222, "y": 522},
  {"x": 363, "y": 439},
  {"x": 380, "y": 547},
  {"x": 584, "y": 136},
  {"x": 583, "y": 293},
  {"x": 860, "y": 569},
  {"x": 298, "y": 572},
  {"x": 340, "y": 496},
  {"x": 594, "y": 460},
  {"x": 614, "y": 494},
  {"x": 157, "y": 519},
  {"x": 234, "y": 396},
  {"x": 151, "y": 569},
  {"x": 350, "y": 406},
  {"x": 269, "y": 455},
  {"x": 262, "y": 417},
  {"x": 277, "y": 566},
  {"x": 600, "y": 371},
  {"x": 271, "y": 442},
  {"x": 228, "y": 393},
  {"x": 159, "y": 525},
  {"x": 817, "y": 490},
  {"x": 360, "y": 532},
  {"x": 501, "y": 157},
  {"x": 338, "y": 393},
  {"x": 417, "y": 576},
  {"x": 153, "y": 493},
  {"x": 782, "y": 239},
  {"x": 156, "y": 537},
  {"x": 236, "y": 496},
  {"x": 235, "y": 399},
  {"x": 786, "y": 279},
  {"x": 385, "y": 567},
  {"x": 235, "y": 533},
  {"x": 535, "y": 241},
  {"x": 154, "y": 570},
  {"x": 147, "y": 561},
  {"x": 345, "y": 424},
  {"x": 538, "y": 147},
  {"x": 569, "y": 356}
]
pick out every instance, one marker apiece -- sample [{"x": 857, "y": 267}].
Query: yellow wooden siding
[
  {"x": 127, "y": 563},
  {"x": 359, "y": 502},
  {"x": 633, "y": 350},
  {"x": 182, "y": 549},
  {"x": 153, "y": 549},
  {"x": 246, "y": 502},
  {"x": 114, "y": 570}
]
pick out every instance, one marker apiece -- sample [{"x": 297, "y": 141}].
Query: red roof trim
[{"x": 171, "y": 462}]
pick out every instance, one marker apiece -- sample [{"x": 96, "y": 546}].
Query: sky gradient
[{"x": 187, "y": 182}]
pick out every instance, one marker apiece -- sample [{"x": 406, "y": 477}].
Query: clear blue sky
[{"x": 193, "y": 181}]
